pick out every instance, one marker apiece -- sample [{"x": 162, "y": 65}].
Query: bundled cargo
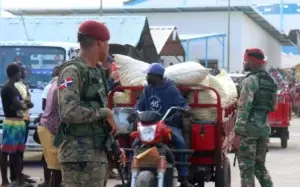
[
  {"x": 226, "y": 80},
  {"x": 207, "y": 97},
  {"x": 204, "y": 97},
  {"x": 121, "y": 98},
  {"x": 187, "y": 74},
  {"x": 133, "y": 73},
  {"x": 221, "y": 86}
]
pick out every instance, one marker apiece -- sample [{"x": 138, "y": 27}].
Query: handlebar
[{"x": 178, "y": 109}]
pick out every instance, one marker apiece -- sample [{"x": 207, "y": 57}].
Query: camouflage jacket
[
  {"x": 73, "y": 110},
  {"x": 250, "y": 123}
]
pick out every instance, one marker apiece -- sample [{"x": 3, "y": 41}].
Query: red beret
[
  {"x": 94, "y": 29},
  {"x": 257, "y": 51}
]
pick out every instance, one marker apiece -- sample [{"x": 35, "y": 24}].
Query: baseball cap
[
  {"x": 156, "y": 68},
  {"x": 94, "y": 29},
  {"x": 110, "y": 59}
]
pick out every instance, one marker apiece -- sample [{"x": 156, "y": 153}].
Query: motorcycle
[{"x": 153, "y": 163}]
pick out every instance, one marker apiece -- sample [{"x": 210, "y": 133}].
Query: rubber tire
[
  {"x": 298, "y": 112},
  {"x": 225, "y": 175},
  {"x": 145, "y": 179},
  {"x": 284, "y": 143},
  {"x": 201, "y": 182}
]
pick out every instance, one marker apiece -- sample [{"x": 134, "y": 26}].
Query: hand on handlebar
[
  {"x": 185, "y": 111},
  {"x": 132, "y": 117},
  {"x": 188, "y": 112}
]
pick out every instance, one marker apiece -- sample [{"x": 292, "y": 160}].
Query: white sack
[
  {"x": 225, "y": 79},
  {"x": 204, "y": 82},
  {"x": 121, "y": 98},
  {"x": 221, "y": 86},
  {"x": 204, "y": 97},
  {"x": 131, "y": 71},
  {"x": 187, "y": 73},
  {"x": 209, "y": 97}
]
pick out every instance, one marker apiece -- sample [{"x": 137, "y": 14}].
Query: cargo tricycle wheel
[
  {"x": 284, "y": 143},
  {"x": 223, "y": 177},
  {"x": 298, "y": 112},
  {"x": 145, "y": 179}
]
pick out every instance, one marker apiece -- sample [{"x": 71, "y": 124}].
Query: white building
[{"x": 248, "y": 28}]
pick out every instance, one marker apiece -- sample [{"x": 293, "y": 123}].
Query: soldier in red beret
[
  {"x": 86, "y": 119},
  {"x": 258, "y": 96}
]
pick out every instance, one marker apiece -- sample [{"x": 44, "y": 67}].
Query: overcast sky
[{"x": 23, "y": 4}]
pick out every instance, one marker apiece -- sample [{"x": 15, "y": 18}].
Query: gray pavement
[{"x": 283, "y": 164}]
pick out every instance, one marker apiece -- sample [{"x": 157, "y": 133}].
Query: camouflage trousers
[
  {"x": 84, "y": 174},
  {"x": 251, "y": 158}
]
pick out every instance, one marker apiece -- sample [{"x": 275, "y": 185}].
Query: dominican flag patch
[{"x": 66, "y": 83}]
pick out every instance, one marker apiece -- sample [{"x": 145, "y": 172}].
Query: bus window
[{"x": 38, "y": 60}]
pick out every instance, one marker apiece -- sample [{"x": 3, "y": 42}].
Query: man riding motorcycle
[{"x": 159, "y": 95}]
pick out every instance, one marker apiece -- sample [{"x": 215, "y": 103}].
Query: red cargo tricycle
[
  {"x": 279, "y": 120},
  {"x": 210, "y": 142}
]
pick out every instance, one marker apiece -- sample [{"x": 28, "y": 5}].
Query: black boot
[{"x": 47, "y": 172}]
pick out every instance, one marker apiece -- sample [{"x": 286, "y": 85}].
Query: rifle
[{"x": 114, "y": 152}]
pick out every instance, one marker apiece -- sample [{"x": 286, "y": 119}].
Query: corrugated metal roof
[
  {"x": 39, "y": 43},
  {"x": 186, "y": 37},
  {"x": 37, "y": 4},
  {"x": 160, "y": 35},
  {"x": 251, "y": 12},
  {"x": 124, "y": 30}
]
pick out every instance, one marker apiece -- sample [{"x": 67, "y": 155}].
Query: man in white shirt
[
  {"x": 45, "y": 93},
  {"x": 46, "y": 89}
]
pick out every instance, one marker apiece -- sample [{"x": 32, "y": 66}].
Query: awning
[{"x": 186, "y": 37}]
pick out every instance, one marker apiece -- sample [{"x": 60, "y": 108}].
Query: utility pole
[
  {"x": 0, "y": 9},
  {"x": 1, "y": 27},
  {"x": 228, "y": 36},
  {"x": 101, "y": 8},
  {"x": 281, "y": 16}
]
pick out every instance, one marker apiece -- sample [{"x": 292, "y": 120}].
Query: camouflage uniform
[
  {"x": 254, "y": 131},
  {"x": 82, "y": 156}
]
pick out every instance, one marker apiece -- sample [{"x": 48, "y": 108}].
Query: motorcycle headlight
[{"x": 147, "y": 133}]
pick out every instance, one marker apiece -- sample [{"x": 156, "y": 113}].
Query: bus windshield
[{"x": 38, "y": 60}]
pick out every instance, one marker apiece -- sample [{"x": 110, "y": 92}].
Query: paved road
[{"x": 284, "y": 164}]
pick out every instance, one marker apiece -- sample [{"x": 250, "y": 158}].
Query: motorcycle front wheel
[{"x": 145, "y": 179}]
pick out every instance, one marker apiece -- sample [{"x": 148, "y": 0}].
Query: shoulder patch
[{"x": 66, "y": 83}]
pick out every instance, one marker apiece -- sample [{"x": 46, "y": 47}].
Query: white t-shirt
[{"x": 45, "y": 91}]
